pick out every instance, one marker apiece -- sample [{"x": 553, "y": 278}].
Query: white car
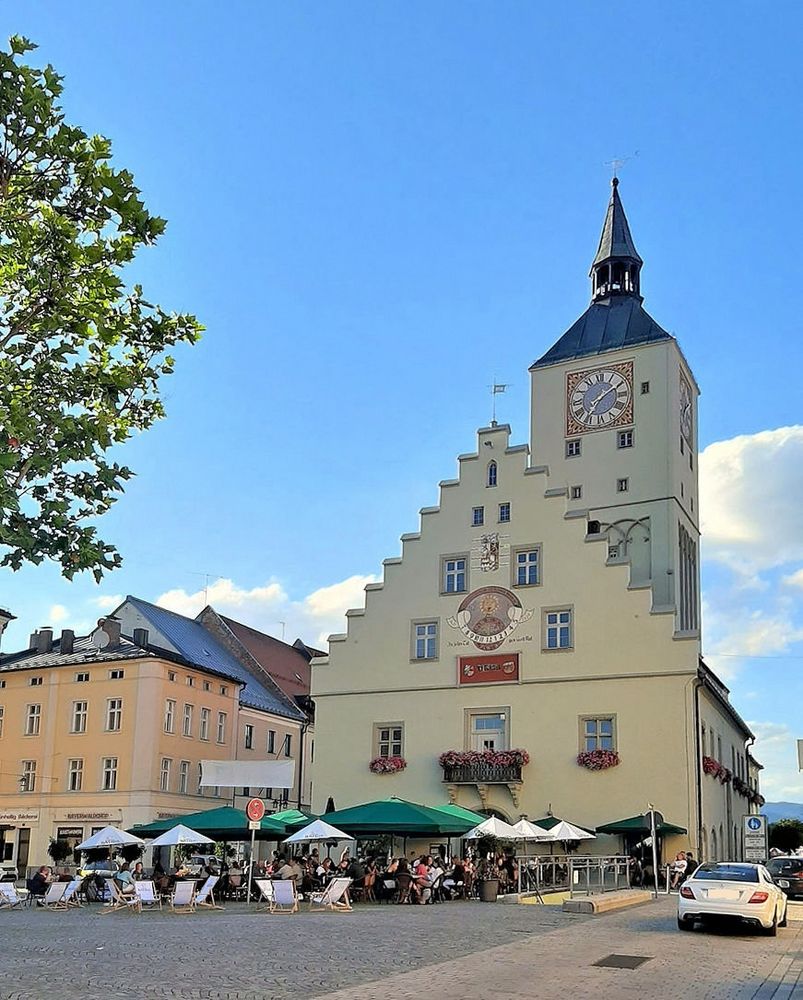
[{"x": 731, "y": 889}]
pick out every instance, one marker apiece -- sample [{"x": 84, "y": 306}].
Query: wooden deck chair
[
  {"x": 70, "y": 897},
  {"x": 205, "y": 895},
  {"x": 9, "y": 897},
  {"x": 265, "y": 886},
  {"x": 119, "y": 901},
  {"x": 333, "y": 897},
  {"x": 149, "y": 898},
  {"x": 285, "y": 897},
  {"x": 52, "y": 898},
  {"x": 183, "y": 898}
]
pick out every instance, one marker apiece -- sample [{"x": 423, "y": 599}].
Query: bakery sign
[{"x": 496, "y": 669}]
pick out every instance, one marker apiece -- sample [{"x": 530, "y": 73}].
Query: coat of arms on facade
[
  {"x": 489, "y": 553},
  {"x": 489, "y": 615}
]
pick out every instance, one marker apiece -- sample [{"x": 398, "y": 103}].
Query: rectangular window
[
  {"x": 425, "y": 640},
  {"x": 207, "y": 686},
  {"x": 116, "y": 675},
  {"x": 288, "y": 744},
  {"x": 79, "y": 714},
  {"x": 488, "y": 730},
  {"x": 164, "y": 774},
  {"x": 109, "y": 774},
  {"x": 389, "y": 739},
  {"x": 170, "y": 716},
  {"x": 504, "y": 513},
  {"x": 527, "y": 566},
  {"x": 645, "y": 388},
  {"x": 28, "y": 783},
  {"x": 203, "y": 732},
  {"x": 248, "y": 737},
  {"x": 622, "y": 485},
  {"x": 224, "y": 690},
  {"x": 114, "y": 714},
  {"x": 221, "y": 727},
  {"x": 598, "y": 733},
  {"x": 477, "y": 516},
  {"x": 271, "y": 741},
  {"x": 557, "y": 629},
  {"x": 624, "y": 439},
  {"x": 186, "y": 725},
  {"x": 190, "y": 681},
  {"x": 576, "y": 492},
  {"x": 75, "y": 774},
  {"x": 81, "y": 678},
  {"x": 454, "y": 574},
  {"x": 171, "y": 675},
  {"x": 33, "y": 720},
  {"x": 573, "y": 448},
  {"x": 184, "y": 777},
  {"x": 35, "y": 682}
]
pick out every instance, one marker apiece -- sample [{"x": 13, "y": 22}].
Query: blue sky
[{"x": 375, "y": 208}]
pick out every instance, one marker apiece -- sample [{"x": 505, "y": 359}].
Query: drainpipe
[
  {"x": 697, "y": 765},
  {"x": 301, "y": 752}
]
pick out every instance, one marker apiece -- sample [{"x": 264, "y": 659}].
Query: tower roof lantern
[{"x": 616, "y": 269}]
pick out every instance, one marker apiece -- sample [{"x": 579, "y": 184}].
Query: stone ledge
[{"x": 607, "y": 902}]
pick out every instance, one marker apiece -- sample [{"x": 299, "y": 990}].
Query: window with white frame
[
  {"x": 388, "y": 739},
  {"x": 425, "y": 640},
  {"x": 117, "y": 674},
  {"x": 573, "y": 448},
  {"x": 35, "y": 682},
  {"x": 207, "y": 685},
  {"x": 477, "y": 516},
  {"x": 287, "y": 746},
  {"x": 221, "y": 727},
  {"x": 170, "y": 716},
  {"x": 203, "y": 731},
  {"x": 186, "y": 724},
  {"x": 597, "y": 733},
  {"x": 184, "y": 777},
  {"x": 79, "y": 714},
  {"x": 248, "y": 736},
  {"x": 504, "y": 513},
  {"x": 75, "y": 774},
  {"x": 28, "y": 782},
  {"x": 190, "y": 680},
  {"x": 33, "y": 720},
  {"x": 622, "y": 485},
  {"x": 114, "y": 714},
  {"x": 557, "y": 628},
  {"x": 109, "y": 774},
  {"x": 224, "y": 690},
  {"x": 492, "y": 474},
  {"x": 527, "y": 566},
  {"x": 576, "y": 492},
  {"x": 82, "y": 677},
  {"x": 624, "y": 439},
  {"x": 164, "y": 774},
  {"x": 271, "y": 745},
  {"x": 454, "y": 574},
  {"x": 171, "y": 675}
]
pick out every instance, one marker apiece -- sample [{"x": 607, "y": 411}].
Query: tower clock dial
[
  {"x": 599, "y": 398},
  {"x": 686, "y": 425}
]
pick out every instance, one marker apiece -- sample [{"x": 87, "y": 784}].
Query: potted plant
[
  {"x": 487, "y": 872},
  {"x": 59, "y": 851}
]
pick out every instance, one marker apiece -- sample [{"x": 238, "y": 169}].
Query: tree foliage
[
  {"x": 786, "y": 834},
  {"x": 81, "y": 354}
]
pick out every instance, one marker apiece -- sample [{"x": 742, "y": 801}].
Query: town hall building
[{"x": 536, "y": 647}]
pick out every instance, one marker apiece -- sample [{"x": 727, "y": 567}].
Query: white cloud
[
  {"x": 776, "y": 749},
  {"x": 57, "y": 614},
  {"x": 312, "y": 618},
  {"x": 108, "y": 602},
  {"x": 749, "y": 499},
  {"x": 794, "y": 579}
]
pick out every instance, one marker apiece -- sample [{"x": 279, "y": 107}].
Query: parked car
[
  {"x": 787, "y": 874},
  {"x": 196, "y": 864},
  {"x": 8, "y": 871},
  {"x": 732, "y": 890},
  {"x": 102, "y": 869}
]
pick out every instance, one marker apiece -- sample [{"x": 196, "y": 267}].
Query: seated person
[
  {"x": 124, "y": 880},
  {"x": 39, "y": 882},
  {"x": 677, "y": 871},
  {"x": 138, "y": 874}
]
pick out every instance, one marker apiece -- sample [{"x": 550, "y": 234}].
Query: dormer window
[{"x": 491, "y": 477}]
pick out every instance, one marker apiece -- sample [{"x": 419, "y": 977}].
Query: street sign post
[
  {"x": 655, "y": 819},
  {"x": 755, "y": 836},
  {"x": 255, "y": 810}
]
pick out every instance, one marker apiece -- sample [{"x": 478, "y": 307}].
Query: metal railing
[
  {"x": 581, "y": 875},
  {"x": 488, "y": 774}
]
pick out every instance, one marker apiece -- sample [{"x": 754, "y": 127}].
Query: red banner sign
[{"x": 491, "y": 669}]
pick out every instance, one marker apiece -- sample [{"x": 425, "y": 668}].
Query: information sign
[{"x": 755, "y": 838}]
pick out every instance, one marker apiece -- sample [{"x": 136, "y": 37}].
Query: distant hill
[{"x": 783, "y": 810}]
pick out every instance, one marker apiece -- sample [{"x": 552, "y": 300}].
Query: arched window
[{"x": 491, "y": 481}]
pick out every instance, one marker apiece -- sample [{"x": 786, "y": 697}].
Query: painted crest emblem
[{"x": 489, "y": 615}]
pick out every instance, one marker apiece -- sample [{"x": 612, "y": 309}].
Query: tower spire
[{"x": 616, "y": 269}]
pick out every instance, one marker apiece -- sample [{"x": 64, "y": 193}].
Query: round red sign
[{"x": 255, "y": 810}]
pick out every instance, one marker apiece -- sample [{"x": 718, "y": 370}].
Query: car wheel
[
  {"x": 772, "y": 930},
  {"x": 685, "y": 925},
  {"x": 785, "y": 919}
]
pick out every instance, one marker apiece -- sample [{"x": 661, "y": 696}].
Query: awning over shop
[
  {"x": 640, "y": 825},
  {"x": 223, "y": 823},
  {"x": 395, "y": 816}
]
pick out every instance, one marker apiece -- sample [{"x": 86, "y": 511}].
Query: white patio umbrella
[
  {"x": 317, "y": 832},
  {"x": 530, "y": 831},
  {"x": 180, "y": 835},
  {"x": 493, "y": 827},
  {"x": 108, "y": 837},
  {"x": 567, "y": 831}
]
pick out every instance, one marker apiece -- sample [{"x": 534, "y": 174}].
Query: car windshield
[
  {"x": 729, "y": 873},
  {"x": 786, "y": 866}
]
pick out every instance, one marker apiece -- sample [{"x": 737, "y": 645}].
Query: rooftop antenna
[
  {"x": 496, "y": 388},
  {"x": 618, "y": 162},
  {"x": 283, "y": 624},
  {"x": 207, "y": 577}
]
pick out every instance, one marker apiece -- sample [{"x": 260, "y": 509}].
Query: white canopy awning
[
  {"x": 317, "y": 832},
  {"x": 180, "y": 834},
  {"x": 493, "y": 827},
  {"x": 109, "y": 836},
  {"x": 248, "y": 773}
]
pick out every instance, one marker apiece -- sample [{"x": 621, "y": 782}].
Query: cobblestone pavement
[{"x": 456, "y": 951}]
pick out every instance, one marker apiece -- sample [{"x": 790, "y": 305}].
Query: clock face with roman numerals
[{"x": 599, "y": 398}]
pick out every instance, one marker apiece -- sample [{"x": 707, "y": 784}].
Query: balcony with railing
[
  {"x": 488, "y": 774},
  {"x": 482, "y": 768}
]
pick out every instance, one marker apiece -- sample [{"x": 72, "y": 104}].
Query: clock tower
[{"x": 614, "y": 423}]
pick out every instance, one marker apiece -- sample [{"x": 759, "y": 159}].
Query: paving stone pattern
[{"x": 456, "y": 951}]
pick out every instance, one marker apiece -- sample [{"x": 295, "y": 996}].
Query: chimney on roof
[
  {"x": 67, "y": 641},
  {"x": 33, "y": 642},
  {"x": 44, "y": 642},
  {"x": 111, "y": 626},
  {"x": 141, "y": 638}
]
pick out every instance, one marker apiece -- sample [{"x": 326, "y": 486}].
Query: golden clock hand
[{"x": 599, "y": 399}]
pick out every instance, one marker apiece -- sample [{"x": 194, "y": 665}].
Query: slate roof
[
  {"x": 616, "y": 240},
  {"x": 620, "y": 321},
  {"x": 83, "y": 652},
  {"x": 195, "y": 644}
]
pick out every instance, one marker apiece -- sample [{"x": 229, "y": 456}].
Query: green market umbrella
[
  {"x": 293, "y": 819},
  {"x": 223, "y": 823},
  {"x": 640, "y": 824},
  {"x": 461, "y": 813},
  {"x": 395, "y": 816}
]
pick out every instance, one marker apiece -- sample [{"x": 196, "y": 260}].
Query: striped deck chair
[
  {"x": 54, "y": 895},
  {"x": 333, "y": 897},
  {"x": 205, "y": 895},
  {"x": 183, "y": 898},
  {"x": 265, "y": 886},
  {"x": 9, "y": 897},
  {"x": 119, "y": 901},
  {"x": 149, "y": 898},
  {"x": 285, "y": 897}
]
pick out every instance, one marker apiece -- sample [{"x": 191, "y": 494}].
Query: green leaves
[{"x": 81, "y": 356}]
